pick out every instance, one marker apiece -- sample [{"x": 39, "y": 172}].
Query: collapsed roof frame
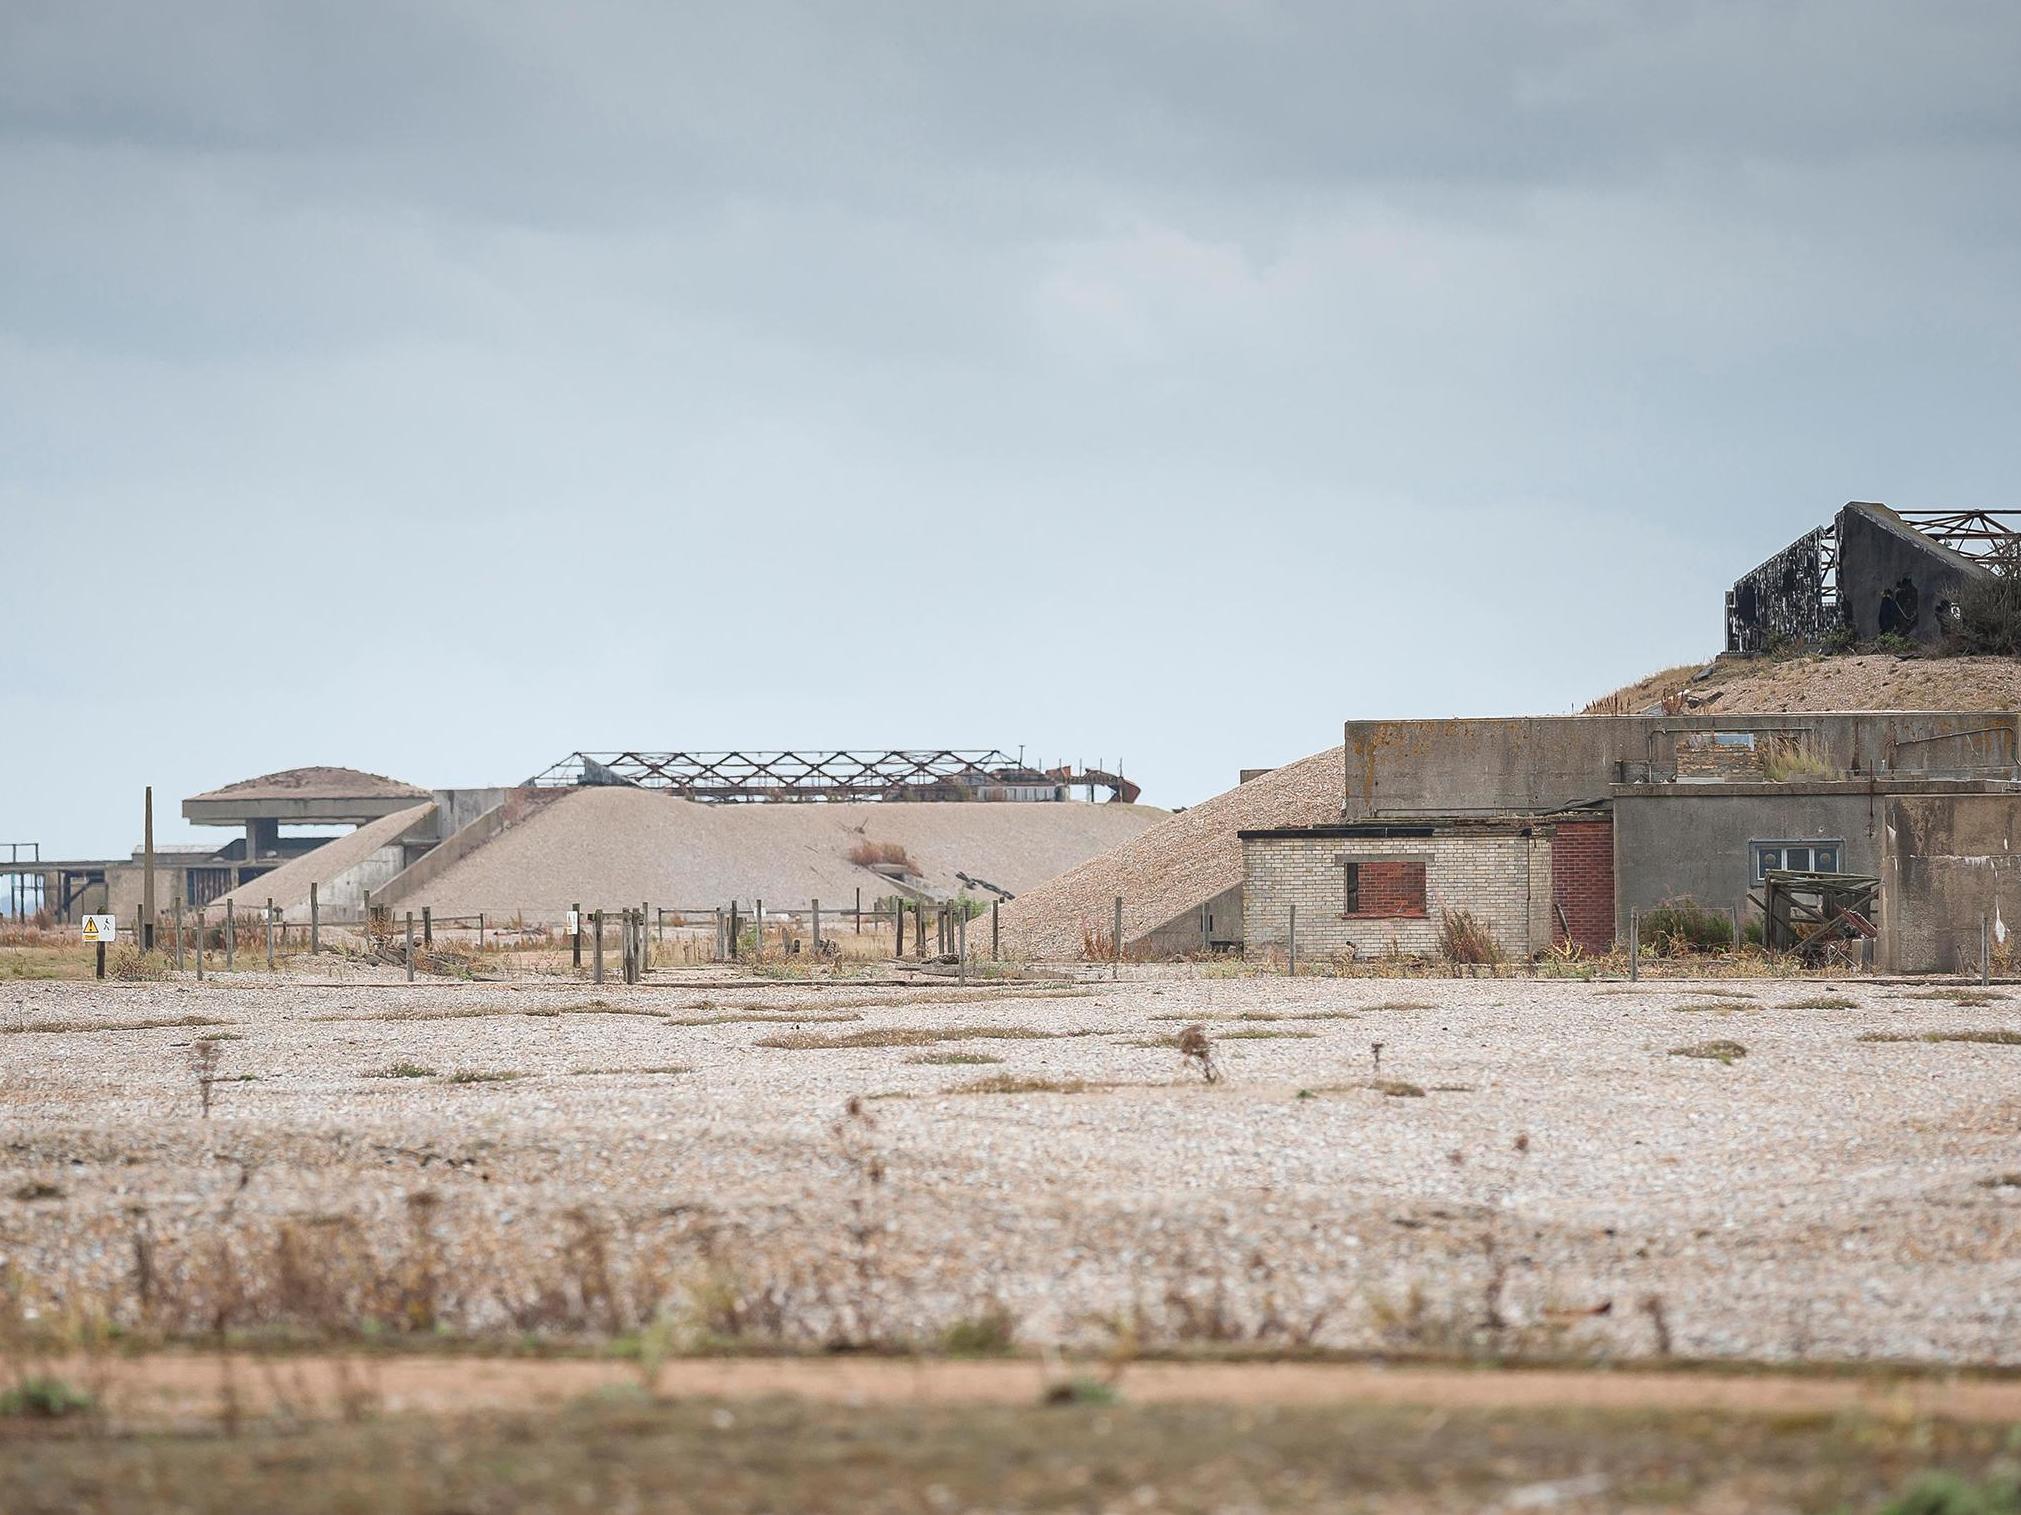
[{"x": 755, "y": 776}]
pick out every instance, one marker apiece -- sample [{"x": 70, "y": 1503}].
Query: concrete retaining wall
[{"x": 1534, "y": 764}]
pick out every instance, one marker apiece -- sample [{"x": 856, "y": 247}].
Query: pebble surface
[{"x": 1820, "y": 1197}]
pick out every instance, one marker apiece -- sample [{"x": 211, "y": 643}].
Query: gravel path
[{"x": 1821, "y": 1197}]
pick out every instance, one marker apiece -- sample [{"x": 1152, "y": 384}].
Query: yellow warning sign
[{"x": 100, "y": 928}]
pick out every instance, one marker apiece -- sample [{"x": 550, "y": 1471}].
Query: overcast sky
[{"x": 438, "y": 389}]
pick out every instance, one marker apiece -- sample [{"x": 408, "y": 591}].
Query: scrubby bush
[
  {"x": 1683, "y": 925},
  {"x": 1989, "y": 614}
]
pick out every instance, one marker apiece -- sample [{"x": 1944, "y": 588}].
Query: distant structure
[
  {"x": 1868, "y": 573},
  {"x": 888, "y": 776},
  {"x": 297, "y": 797}
]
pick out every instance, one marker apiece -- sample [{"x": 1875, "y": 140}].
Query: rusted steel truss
[{"x": 894, "y": 774}]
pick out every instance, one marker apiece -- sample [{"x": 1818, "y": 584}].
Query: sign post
[{"x": 100, "y": 929}]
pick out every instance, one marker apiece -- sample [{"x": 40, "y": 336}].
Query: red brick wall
[
  {"x": 1582, "y": 883},
  {"x": 1390, "y": 890}
]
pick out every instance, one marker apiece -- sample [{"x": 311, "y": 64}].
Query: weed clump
[
  {"x": 402, "y": 1069},
  {"x": 1195, "y": 1047},
  {"x": 44, "y": 1397},
  {"x": 1680, "y": 926},
  {"x": 1465, "y": 938},
  {"x": 993, "y": 1333}
]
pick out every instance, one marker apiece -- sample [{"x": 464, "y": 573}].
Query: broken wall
[
  {"x": 1893, "y": 580},
  {"x": 1786, "y": 599},
  {"x": 1947, "y": 861}
]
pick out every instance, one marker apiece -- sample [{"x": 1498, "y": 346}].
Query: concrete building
[{"x": 1553, "y": 829}]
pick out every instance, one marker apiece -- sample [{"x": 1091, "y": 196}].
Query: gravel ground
[
  {"x": 1186, "y": 859},
  {"x": 1821, "y": 1197}
]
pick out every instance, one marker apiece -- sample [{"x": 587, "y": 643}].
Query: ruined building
[{"x": 1870, "y": 572}]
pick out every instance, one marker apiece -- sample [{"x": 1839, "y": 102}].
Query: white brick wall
[{"x": 1503, "y": 878}]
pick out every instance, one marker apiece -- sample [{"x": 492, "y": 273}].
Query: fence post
[
  {"x": 199, "y": 944},
  {"x": 859, "y": 910},
  {"x": 1291, "y": 945},
  {"x": 1206, "y": 930},
  {"x": 575, "y": 914},
  {"x": 1116, "y": 946},
  {"x": 315, "y": 922},
  {"x": 817, "y": 928},
  {"x": 1634, "y": 944},
  {"x": 596, "y": 924},
  {"x": 270, "y": 935},
  {"x": 410, "y": 946},
  {"x": 1985, "y": 948},
  {"x": 995, "y": 933},
  {"x": 480, "y": 931},
  {"x": 178, "y": 933},
  {"x": 427, "y": 925},
  {"x": 231, "y": 933},
  {"x": 898, "y": 920},
  {"x": 733, "y": 931},
  {"x": 961, "y": 947}
]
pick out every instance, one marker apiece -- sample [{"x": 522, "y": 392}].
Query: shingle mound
[
  {"x": 288, "y": 885},
  {"x": 611, "y": 847},
  {"x": 317, "y": 783},
  {"x": 1795, "y": 686},
  {"x": 1174, "y": 867}
]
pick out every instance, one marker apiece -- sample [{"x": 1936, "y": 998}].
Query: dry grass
[
  {"x": 1723, "y": 1052},
  {"x": 484, "y": 1076},
  {"x": 664, "y": 1068},
  {"x": 1993, "y": 1038},
  {"x": 1465, "y": 938},
  {"x": 1013, "y": 1083},
  {"x": 1397, "y": 1088},
  {"x": 1653, "y": 692},
  {"x": 1800, "y": 758},
  {"x": 155, "y": 1023},
  {"x": 1821, "y": 1002},
  {"x": 761, "y": 1018},
  {"x": 1280, "y": 1015},
  {"x": 1088, "y": 1451},
  {"x": 953, "y": 1059},
  {"x": 907, "y": 1036},
  {"x": 1257, "y": 1035},
  {"x": 399, "y": 1070},
  {"x": 869, "y": 854}
]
